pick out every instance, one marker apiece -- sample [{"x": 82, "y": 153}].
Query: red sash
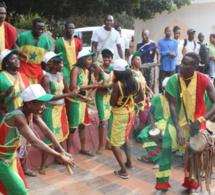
[{"x": 10, "y": 35}]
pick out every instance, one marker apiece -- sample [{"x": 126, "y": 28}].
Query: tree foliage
[{"x": 62, "y": 9}]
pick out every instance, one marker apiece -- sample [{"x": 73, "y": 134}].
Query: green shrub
[{"x": 26, "y": 21}]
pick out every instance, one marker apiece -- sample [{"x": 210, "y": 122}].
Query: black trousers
[{"x": 162, "y": 75}]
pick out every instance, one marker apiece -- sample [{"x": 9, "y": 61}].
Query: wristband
[
  {"x": 20, "y": 53},
  {"x": 201, "y": 119}
]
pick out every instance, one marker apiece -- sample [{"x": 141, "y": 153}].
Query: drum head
[
  {"x": 198, "y": 142},
  {"x": 154, "y": 132}
]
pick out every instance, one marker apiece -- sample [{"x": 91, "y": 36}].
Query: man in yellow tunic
[
  {"x": 36, "y": 45},
  {"x": 69, "y": 46}
]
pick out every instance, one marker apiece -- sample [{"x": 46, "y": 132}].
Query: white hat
[
  {"x": 107, "y": 51},
  {"x": 35, "y": 92},
  {"x": 84, "y": 53},
  {"x": 7, "y": 52},
  {"x": 165, "y": 81},
  {"x": 49, "y": 55},
  {"x": 119, "y": 65}
]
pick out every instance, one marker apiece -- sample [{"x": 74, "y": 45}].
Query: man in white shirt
[
  {"x": 105, "y": 37},
  {"x": 190, "y": 44},
  {"x": 124, "y": 44}
]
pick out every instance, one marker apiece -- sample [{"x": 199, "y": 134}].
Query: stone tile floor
[{"x": 94, "y": 175}]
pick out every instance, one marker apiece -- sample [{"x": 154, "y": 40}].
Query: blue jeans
[{"x": 212, "y": 68}]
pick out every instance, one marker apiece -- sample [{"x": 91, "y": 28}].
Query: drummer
[
  {"x": 185, "y": 93},
  {"x": 158, "y": 115}
]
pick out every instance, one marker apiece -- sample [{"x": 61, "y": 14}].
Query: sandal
[
  {"x": 193, "y": 192},
  {"x": 121, "y": 176},
  {"x": 86, "y": 152},
  {"x": 144, "y": 159},
  {"x": 159, "y": 192},
  {"x": 30, "y": 173}
]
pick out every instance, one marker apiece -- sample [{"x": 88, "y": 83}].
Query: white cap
[
  {"x": 119, "y": 65},
  {"x": 35, "y": 92},
  {"x": 85, "y": 53},
  {"x": 129, "y": 59},
  {"x": 165, "y": 81},
  {"x": 107, "y": 51},
  {"x": 49, "y": 55},
  {"x": 7, "y": 52}
]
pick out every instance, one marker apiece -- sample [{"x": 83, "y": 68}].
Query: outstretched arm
[
  {"x": 45, "y": 82},
  {"x": 24, "y": 129}
]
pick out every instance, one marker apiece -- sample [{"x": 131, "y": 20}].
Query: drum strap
[{"x": 181, "y": 96}]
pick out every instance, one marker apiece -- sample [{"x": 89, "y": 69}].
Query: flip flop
[
  {"x": 128, "y": 166},
  {"x": 30, "y": 173},
  {"x": 121, "y": 176},
  {"x": 144, "y": 159},
  {"x": 87, "y": 152},
  {"x": 193, "y": 192},
  {"x": 156, "y": 166}
]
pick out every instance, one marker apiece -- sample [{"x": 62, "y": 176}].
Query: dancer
[
  {"x": 185, "y": 93},
  {"x": 122, "y": 113},
  {"x": 12, "y": 83},
  {"x": 34, "y": 98},
  {"x": 78, "y": 112},
  {"x": 55, "y": 113},
  {"x": 103, "y": 94},
  {"x": 135, "y": 62}
]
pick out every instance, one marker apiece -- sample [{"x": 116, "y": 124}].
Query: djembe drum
[
  {"x": 202, "y": 159},
  {"x": 156, "y": 135}
]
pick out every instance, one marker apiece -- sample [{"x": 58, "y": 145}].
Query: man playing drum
[
  {"x": 158, "y": 115},
  {"x": 185, "y": 93}
]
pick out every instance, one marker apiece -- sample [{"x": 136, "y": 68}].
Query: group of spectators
[{"x": 170, "y": 51}]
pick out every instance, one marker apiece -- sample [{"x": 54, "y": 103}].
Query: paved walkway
[{"x": 94, "y": 175}]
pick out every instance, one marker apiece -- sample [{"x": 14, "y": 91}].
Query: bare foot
[
  {"x": 108, "y": 146},
  {"x": 100, "y": 150},
  {"x": 129, "y": 165},
  {"x": 86, "y": 152},
  {"x": 42, "y": 171}
]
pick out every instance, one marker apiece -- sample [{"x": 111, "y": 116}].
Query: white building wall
[{"x": 200, "y": 16}]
